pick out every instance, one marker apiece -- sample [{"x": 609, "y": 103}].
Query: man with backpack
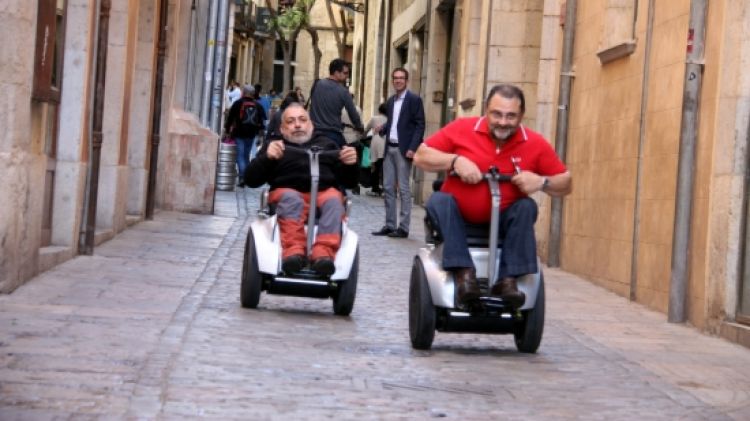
[{"x": 245, "y": 120}]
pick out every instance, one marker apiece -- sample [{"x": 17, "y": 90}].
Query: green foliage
[{"x": 294, "y": 18}]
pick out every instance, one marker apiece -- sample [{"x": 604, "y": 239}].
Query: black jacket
[
  {"x": 411, "y": 122},
  {"x": 293, "y": 169}
]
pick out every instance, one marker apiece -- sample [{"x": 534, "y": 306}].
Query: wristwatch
[{"x": 545, "y": 184}]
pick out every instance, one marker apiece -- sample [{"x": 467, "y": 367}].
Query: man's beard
[
  {"x": 300, "y": 136},
  {"x": 503, "y": 133}
]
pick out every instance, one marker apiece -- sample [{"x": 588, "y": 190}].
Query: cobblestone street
[{"x": 150, "y": 327}]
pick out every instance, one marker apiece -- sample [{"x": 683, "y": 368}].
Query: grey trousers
[{"x": 396, "y": 169}]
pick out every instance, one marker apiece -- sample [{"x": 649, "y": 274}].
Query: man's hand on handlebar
[
  {"x": 275, "y": 149},
  {"x": 348, "y": 155},
  {"x": 528, "y": 182},
  {"x": 467, "y": 170}
]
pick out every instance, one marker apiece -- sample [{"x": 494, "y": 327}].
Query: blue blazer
[{"x": 411, "y": 123}]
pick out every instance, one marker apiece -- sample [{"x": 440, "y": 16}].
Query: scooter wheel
[
  {"x": 528, "y": 332},
  {"x": 343, "y": 300},
  {"x": 422, "y": 312},
  {"x": 252, "y": 279}
]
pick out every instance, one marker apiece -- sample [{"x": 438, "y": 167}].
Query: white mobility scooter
[
  {"x": 432, "y": 303},
  {"x": 261, "y": 269}
]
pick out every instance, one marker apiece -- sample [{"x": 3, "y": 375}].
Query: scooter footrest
[{"x": 494, "y": 304}]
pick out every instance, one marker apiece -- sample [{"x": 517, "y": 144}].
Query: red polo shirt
[{"x": 470, "y": 138}]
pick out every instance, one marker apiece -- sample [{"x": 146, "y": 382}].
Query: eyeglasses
[
  {"x": 399, "y": 77},
  {"x": 507, "y": 116}
]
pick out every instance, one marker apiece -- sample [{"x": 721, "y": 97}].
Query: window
[{"x": 50, "y": 39}]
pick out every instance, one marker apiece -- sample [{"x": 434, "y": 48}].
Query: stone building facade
[
  {"x": 623, "y": 128},
  {"x": 47, "y": 76}
]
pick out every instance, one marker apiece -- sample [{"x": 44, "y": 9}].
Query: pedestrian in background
[
  {"x": 245, "y": 120},
  {"x": 233, "y": 93},
  {"x": 351, "y": 135},
  {"x": 377, "y": 149},
  {"x": 300, "y": 95},
  {"x": 403, "y": 131},
  {"x": 328, "y": 97},
  {"x": 263, "y": 100}
]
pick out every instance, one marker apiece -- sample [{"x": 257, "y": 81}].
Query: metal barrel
[{"x": 226, "y": 173}]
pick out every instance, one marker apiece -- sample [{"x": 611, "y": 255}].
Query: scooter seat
[{"x": 477, "y": 235}]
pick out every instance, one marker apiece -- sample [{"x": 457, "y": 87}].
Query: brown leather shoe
[
  {"x": 507, "y": 289},
  {"x": 467, "y": 288}
]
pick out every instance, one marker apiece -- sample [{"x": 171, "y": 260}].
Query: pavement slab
[{"x": 150, "y": 327}]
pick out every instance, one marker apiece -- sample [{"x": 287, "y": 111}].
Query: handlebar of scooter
[
  {"x": 492, "y": 175},
  {"x": 322, "y": 153}
]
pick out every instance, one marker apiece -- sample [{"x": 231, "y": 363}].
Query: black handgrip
[{"x": 322, "y": 153}]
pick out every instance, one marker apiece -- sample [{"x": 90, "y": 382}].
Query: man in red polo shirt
[{"x": 468, "y": 147}]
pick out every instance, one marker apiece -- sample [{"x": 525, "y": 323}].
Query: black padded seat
[{"x": 477, "y": 235}]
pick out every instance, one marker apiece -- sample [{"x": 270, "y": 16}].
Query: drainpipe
[
  {"x": 561, "y": 134},
  {"x": 486, "y": 11},
  {"x": 387, "y": 52},
  {"x": 96, "y": 130},
  {"x": 208, "y": 62},
  {"x": 190, "y": 61},
  {"x": 686, "y": 165},
  {"x": 364, "y": 63},
  {"x": 220, "y": 61},
  {"x": 641, "y": 143},
  {"x": 156, "y": 107}
]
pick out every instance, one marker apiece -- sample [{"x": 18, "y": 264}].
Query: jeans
[
  {"x": 246, "y": 150},
  {"x": 516, "y": 233}
]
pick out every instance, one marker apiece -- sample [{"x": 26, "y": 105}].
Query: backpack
[{"x": 250, "y": 117}]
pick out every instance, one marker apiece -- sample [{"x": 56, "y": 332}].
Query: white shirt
[
  {"x": 234, "y": 95},
  {"x": 397, "y": 103}
]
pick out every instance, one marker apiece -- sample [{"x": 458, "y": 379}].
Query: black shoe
[
  {"x": 324, "y": 266},
  {"x": 293, "y": 263},
  {"x": 384, "y": 231},
  {"x": 399, "y": 233}
]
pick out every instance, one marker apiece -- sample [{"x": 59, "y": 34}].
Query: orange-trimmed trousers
[{"x": 292, "y": 208}]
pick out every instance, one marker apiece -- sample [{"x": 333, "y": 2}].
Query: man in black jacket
[
  {"x": 288, "y": 174},
  {"x": 244, "y": 127},
  {"x": 403, "y": 131}
]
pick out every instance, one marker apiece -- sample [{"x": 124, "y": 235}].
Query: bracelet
[{"x": 453, "y": 163}]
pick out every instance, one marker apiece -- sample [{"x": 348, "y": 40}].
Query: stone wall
[
  {"x": 21, "y": 158},
  {"x": 187, "y": 165}
]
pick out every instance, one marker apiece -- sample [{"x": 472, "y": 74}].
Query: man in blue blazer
[{"x": 403, "y": 132}]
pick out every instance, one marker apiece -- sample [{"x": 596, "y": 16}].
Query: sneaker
[
  {"x": 293, "y": 263},
  {"x": 399, "y": 233},
  {"x": 324, "y": 266},
  {"x": 383, "y": 231}
]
